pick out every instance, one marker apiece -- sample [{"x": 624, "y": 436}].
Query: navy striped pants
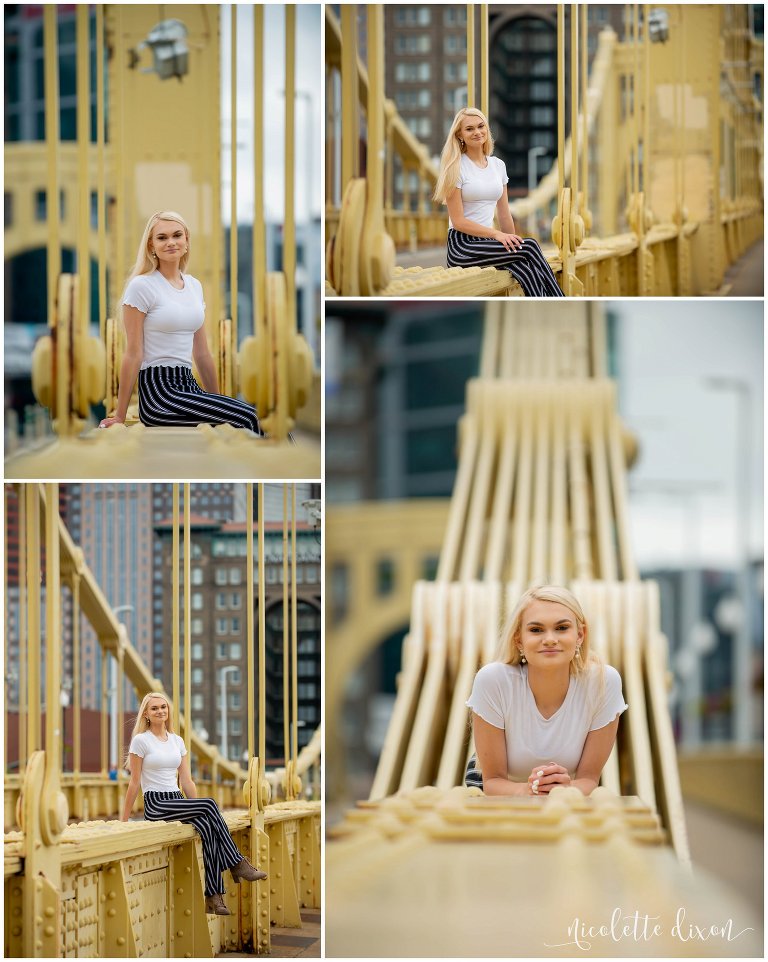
[
  {"x": 171, "y": 397},
  {"x": 472, "y": 777},
  {"x": 527, "y": 264},
  {"x": 219, "y": 851}
]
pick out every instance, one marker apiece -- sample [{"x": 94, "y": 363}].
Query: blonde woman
[
  {"x": 472, "y": 183},
  {"x": 159, "y": 763},
  {"x": 547, "y": 711},
  {"x": 163, "y": 312}
]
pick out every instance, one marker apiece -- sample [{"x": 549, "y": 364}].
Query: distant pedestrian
[{"x": 472, "y": 184}]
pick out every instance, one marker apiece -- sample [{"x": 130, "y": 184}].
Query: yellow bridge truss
[
  {"x": 666, "y": 141},
  {"x": 105, "y": 888},
  {"x": 426, "y": 866}
]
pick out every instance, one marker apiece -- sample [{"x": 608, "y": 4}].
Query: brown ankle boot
[
  {"x": 245, "y": 871},
  {"x": 214, "y": 905}
]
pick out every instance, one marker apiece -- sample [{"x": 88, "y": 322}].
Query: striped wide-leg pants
[
  {"x": 171, "y": 397},
  {"x": 219, "y": 851},
  {"x": 527, "y": 264},
  {"x": 472, "y": 777}
]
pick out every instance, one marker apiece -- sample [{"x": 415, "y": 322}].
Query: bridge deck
[{"x": 744, "y": 278}]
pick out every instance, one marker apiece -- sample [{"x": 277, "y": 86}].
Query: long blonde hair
[
  {"x": 144, "y": 263},
  {"x": 450, "y": 159},
  {"x": 141, "y": 724},
  {"x": 509, "y": 653}
]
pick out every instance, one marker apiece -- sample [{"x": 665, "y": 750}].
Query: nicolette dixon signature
[{"x": 644, "y": 928}]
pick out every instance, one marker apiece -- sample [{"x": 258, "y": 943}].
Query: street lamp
[
  {"x": 742, "y": 648},
  {"x": 223, "y": 683}
]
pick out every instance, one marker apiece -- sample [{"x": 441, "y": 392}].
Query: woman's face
[
  {"x": 549, "y": 634},
  {"x": 473, "y": 130},
  {"x": 157, "y": 710},
  {"x": 168, "y": 241}
]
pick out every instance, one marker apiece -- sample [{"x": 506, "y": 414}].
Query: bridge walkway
[{"x": 290, "y": 943}]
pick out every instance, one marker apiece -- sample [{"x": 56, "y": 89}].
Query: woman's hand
[
  {"x": 108, "y": 422},
  {"x": 512, "y": 242},
  {"x": 544, "y": 778}
]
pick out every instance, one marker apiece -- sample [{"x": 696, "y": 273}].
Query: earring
[
  {"x": 523, "y": 659},
  {"x": 461, "y": 142},
  {"x": 578, "y": 654}
]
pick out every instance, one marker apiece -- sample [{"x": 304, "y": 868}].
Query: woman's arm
[
  {"x": 461, "y": 223},
  {"x": 594, "y": 755},
  {"x": 133, "y": 319},
  {"x": 204, "y": 361},
  {"x": 185, "y": 778},
  {"x": 133, "y": 786},
  {"x": 491, "y": 748},
  {"x": 504, "y": 214}
]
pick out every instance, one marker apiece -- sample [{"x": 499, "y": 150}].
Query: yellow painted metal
[
  {"x": 349, "y": 109},
  {"x": 187, "y": 613},
  {"x": 83, "y": 185},
  {"x": 104, "y": 719},
  {"x": 23, "y": 698},
  {"x": 288, "y": 787},
  {"x": 471, "y": 101},
  {"x": 117, "y": 108},
  {"x": 33, "y": 579},
  {"x": 262, "y": 648},
  {"x": 560, "y": 97},
  {"x": 77, "y": 730},
  {"x": 259, "y": 223},
  {"x": 249, "y": 632},
  {"x": 574, "y": 88},
  {"x": 484, "y": 55},
  {"x": 53, "y": 216},
  {"x": 176, "y": 702},
  {"x": 289, "y": 218},
  {"x": 584, "y": 198},
  {"x": 294, "y": 648},
  {"x": 104, "y": 309},
  {"x": 233, "y": 214}
]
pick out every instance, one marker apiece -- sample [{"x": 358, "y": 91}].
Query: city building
[{"x": 219, "y": 626}]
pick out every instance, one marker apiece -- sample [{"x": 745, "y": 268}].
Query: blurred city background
[
  {"x": 125, "y": 531},
  {"x": 169, "y": 117},
  {"x": 690, "y": 391}
]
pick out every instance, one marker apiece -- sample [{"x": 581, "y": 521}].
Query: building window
[
  {"x": 197, "y": 601},
  {"x": 419, "y": 126},
  {"x": 413, "y": 16},
  {"x": 197, "y": 651},
  {"x": 235, "y": 699},
  {"x": 412, "y": 72},
  {"x": 221, "y": 576},
  {"x": 234, "y": 677},
  {"x": 385, "y": 577},
  {"x": 235, "y": 576},
  {"x": 219, "y": 548},
  {"x": 235, "y": 600},
  {"x": 197, "y": 626},
  {"x": 455, "y": 16},
  {"x": 41, "y": 205},
  {"x": 221, "y": 599},
  {"x": 455, "y": 71},
  {"x": 221, "y": 626},
  {"x": 197, "y": 676},
  {"x": 197, "y": 576},
  {"x": 456, "y": 43},
  {"x": 197, "y": 701},
  {"x": 235, "y": 726},
  {"x": 235, "y": 629},
  {"x": 221, "y": 651},
  {"x": 313, "y": 574},
  {"x": 235, "y": 651},
  {"x": 411, "y": 99},
  {"x": 306, "y": 689},
  {"x": 412, "y": 43}
]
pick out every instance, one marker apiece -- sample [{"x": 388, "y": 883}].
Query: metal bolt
[
  {"x": 49, "y": 930},
  {"x": 111, "y": 913},
  {"x": 187, "y": 911},
  {"x": 120, "y": 940}
]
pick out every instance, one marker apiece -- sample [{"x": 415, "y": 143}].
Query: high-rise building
[{"x": 219, "y": 628}]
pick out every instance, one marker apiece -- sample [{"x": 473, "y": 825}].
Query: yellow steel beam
[
  {"x": 104, "y": 310},
  {"x": 187, "y": 614},
  {"x": 289, "y": 219},
  {"x": 484, "y": 56},
  {"x": 34, "y": 647},
  {"x": 233, "y": 173},
  {"x": 50, "y": 51},
  {"x": 23, "y": 697},
  {"x": 249, "y": 632},
  {"x": 574, "y": 104},
  {"x": 471, "y": 55},
  {"x": 560, "y": 97},
  {"x": 262, "y": 641},
  {"x": 175, "y": 607},
  {"x": 286, "y": 662},
  {"x": 349, "y": 95},
  {"x": 83, "y": 53},
  {"x": 294, "y": 632},
  {"x": 259, "y": 224}
]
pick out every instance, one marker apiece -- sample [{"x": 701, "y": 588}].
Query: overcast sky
[
  {"x": 684, "y": 487},
  {"x": 309, "y": 81}
]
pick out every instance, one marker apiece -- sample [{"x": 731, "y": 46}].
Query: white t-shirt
[
  {"x": 481, "y": 188},
  {"x": 502, "y": 697},
  {"x": 161, "y": 760},
  {"x": 172, "y": 317}
]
